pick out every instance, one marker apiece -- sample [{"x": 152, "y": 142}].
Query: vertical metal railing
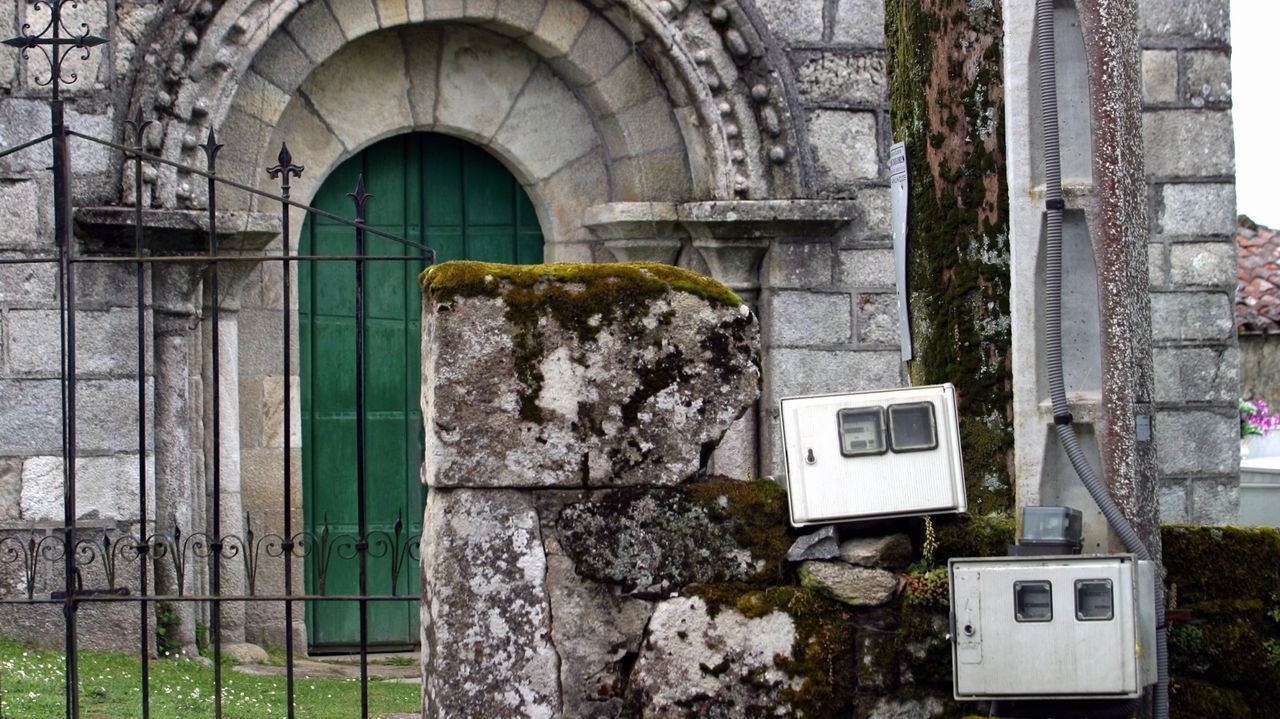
[
  {"x": 176, "y": 547},
  {"x": 360, "y": 198},
  {"x": 284, "y": 169},
  {"x": 138, "y": 125}
]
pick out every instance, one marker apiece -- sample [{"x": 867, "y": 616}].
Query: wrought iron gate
[{"x": 112, "y": 554}]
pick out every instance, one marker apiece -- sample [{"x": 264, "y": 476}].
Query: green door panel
[{"x": 462, "y": 202}]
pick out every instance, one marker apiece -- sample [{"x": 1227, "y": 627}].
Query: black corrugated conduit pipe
[{"x": 1044, "y": 33}]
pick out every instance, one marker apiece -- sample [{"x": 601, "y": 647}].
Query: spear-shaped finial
[
  {"x": 211, "y": 147},
  {"x": 360, "y": 197}
]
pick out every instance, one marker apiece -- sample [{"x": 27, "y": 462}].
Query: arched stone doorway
[{"x": 456, "y": 198}]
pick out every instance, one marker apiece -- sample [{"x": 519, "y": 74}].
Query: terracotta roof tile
[{"x": 1258, "y": 279}]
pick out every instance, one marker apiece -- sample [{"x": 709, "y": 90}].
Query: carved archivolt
[{"x": 688, "y": 100}]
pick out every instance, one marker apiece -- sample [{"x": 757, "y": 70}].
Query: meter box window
[
  {"x": 1052, "y": 627},
  {"x": 867, "y": 455}
]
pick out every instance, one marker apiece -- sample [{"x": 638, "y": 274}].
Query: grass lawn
[{"x": 31, "y": 687}]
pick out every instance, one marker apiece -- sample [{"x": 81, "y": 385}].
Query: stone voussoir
[{"x": 579, "y": 375}]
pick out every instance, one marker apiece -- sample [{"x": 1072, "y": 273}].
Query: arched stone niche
[{"x": 687, "y": 100}]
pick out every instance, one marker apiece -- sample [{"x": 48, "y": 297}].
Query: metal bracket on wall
[{"x": 898, "y": 205}]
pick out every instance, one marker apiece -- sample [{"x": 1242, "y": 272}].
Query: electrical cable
[{"x": 1044, "y": 34}]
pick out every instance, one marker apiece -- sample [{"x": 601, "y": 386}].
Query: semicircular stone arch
[
  {"x": 685, "y": 98},
  {"x": 477, "y": 85}
]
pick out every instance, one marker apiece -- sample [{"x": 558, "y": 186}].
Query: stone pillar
[
  {"x": 177, "y": 487},
  {"x": 230, "y": 278},
  {"x": 564, "y": 409}
]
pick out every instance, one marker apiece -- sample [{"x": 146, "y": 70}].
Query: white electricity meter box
[
  {"x": 871, "y": 455},
  {"x": 1052, "y": 627}
]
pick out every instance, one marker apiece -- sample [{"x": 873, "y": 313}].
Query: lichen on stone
[
  {"x": 823, "y": 653},
  {"x": 946, "y": 103},
  {"x": 648, "y": 542}
]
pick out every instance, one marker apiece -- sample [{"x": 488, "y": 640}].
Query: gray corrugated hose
[{"x": 1053, "y": 338}]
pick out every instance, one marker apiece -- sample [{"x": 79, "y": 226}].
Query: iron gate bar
[
  {"x": 361, "y": 198},
  {"x": 61, "y": 544},
  {"x": 284, "y": 169},
  {"x": 211, "y": 148},
  {"x": 30, "y": 143},
  {"x": 139, "y": 125}
]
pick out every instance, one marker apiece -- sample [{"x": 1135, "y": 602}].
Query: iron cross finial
[
  {"x": 138, "y": 125},
  {"x": 55, "y": 41},
  {"x": 284, "y": 168}
]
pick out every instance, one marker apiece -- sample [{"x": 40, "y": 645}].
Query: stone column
[
  {"x": 176, "y": 315},
  {"x": 230, "y": 279}
]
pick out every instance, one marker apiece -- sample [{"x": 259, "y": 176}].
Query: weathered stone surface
[
  {"x": 845, "y": 145},
  {"x": 1198, "y": 209},
  {"x": 797, "y": 372},
  {"x": 1208, "y": 78},
  {"x": 649, "y": 542},
  {"x": 568, "y": 375},
  {"x": 106, "y": 488},
  {"x": 907, "y": 708},
  {"x": 356, "y": 95},
  {"x": 1202, "y": 20},
  {"x": 799, "y": 265},
  {"x": 1196, "y": 374},
  {"x": 1203, "y": 264},
  {"x": 1191, "y": 316},
  {"x": 694, "y": 665},
  {"x": 855, "y": 78},
  {"x": 595, "y": 632},
  {"x": 860, "y": 23},
  {"x": 1173, "y": 502},
  {"x": 822, "y": 544},
  {"x": 481, "y": 75},
  {"x": 1215, "y": 500},
  {"x": 1188, "y": 143},
  {"x": 855, "y": 586},
  {"x": 547, "y": 128},
  {"x": 809, "y": 318},
  {"x": 793, "y": 21},
  {"x": 10, "y": 487},
  {"x": 878, "y": 319},
  {"x": 891, "y": 551},
  {"x": 867, "y": 269},
  {"x": 1159, "y": 76},
  {"x": 486, "y": 621},
  {"x": 1197, "y": 441},
  {"x": 28, "y": 285},
  {"x": 101, "y": 337},
  {"x": 244, "y": 653},
  {"x": 19, "y": 222}
]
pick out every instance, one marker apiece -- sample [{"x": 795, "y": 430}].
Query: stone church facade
[{"x": 745, "y": 139}]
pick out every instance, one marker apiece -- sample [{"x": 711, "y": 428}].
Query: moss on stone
[
  {"x": 604, "y": 288},
  {"x": 823, "y": 654},
  {"x": 1215, "y": 563},
  {"x": 756, "y": 513},
  {"x": 973, "y": 536},
  {"x": 581, "y": 298},
  {"x": 946, "y": 103},
  {"x": 1195, "y": 699},
  {"x": 1226, "y": 660}
]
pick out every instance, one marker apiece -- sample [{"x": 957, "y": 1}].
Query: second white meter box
[{"x": 867, "y": 455}]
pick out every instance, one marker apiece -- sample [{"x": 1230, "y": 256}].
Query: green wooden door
[{"x": 461, "y": 201}]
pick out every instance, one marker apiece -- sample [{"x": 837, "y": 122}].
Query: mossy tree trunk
[{"x": 947, "y": 103}]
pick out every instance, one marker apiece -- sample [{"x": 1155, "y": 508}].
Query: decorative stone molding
[{"x": 709, "y": 67}]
